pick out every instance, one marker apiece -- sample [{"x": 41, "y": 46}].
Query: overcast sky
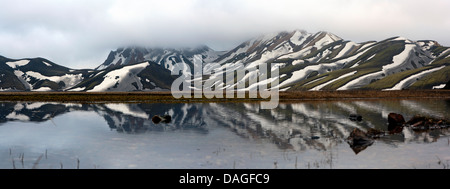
[{"x": 81, "y": 33}]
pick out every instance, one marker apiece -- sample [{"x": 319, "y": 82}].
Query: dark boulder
[
  {"x": 396, "y": 119},
  {"x": 396, "y": 122},
  {"x": 359, "y": 140},
  {"x": 156, "y": 119},
  {"x": 167, "y": 118}
]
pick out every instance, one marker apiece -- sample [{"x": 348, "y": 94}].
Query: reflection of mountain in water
[
  {"x": 298, "y": 126},
  {"x": 35, "y": 111},
  {"x": 128, "y": 118},
  {"x": 136, "y": 118},
  {"x": 320, "y": 125}
]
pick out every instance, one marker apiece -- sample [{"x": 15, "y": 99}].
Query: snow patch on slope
[
  {"x": 237, "y": 52},
  {"x": 348, "y": 46},
  {"x": 77, "y": 89},
  {"x": 122, "y": 79},
  {"x": 46, "y": 63},
  {"x": 69, "y": 79},
  {"x": 298, "y": 54},
  {"x": 299, "y": 37},
  {"x": 321, "y": 68},
  {"x": 18, "y": 63},
  {"x": 43, "y": 89},
  {"x": 399, "y": 59},
  {"x": 413, "y": 78},
  {"x": 267, "y": 55},
  {"x": 361, "y": 81},
  {"x": 327, "y": 39},
  {"x": 22, "y": 79},
  {"x": 441, "y": 86},
  {"x": 319, "y": 87}
]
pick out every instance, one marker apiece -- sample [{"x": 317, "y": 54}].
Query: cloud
[{"x": 80, "y": 33}]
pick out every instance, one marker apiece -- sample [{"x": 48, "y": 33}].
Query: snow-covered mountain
[
  {"x": 305, "y": 61},
  {"x": 144, "y": 76},
  {"x": 165, "y": 57},
  {"x": 142, "y": 69},
  {"x": 37, "y": 74},
  {"x": 324, "y": 61}
]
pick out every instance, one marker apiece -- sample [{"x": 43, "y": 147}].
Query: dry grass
[
  {"x": 363, "y": 94},
  {"x": 166, "y": 97}
]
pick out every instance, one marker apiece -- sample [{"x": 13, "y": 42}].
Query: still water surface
[{"x": 301, "y": 135}]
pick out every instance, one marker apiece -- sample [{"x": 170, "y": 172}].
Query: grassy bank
[
  {"x": 363, "y": 94},
  {"x": 95, "y": 97}
]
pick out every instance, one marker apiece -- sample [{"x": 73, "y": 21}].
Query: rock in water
[
  {"x": 396, "y": 122},
  {"x": 157, "y": 119},
  {"x": 396, "y": 119},
  {"x": 358, "y": 136},
  {"x": 423, "y": 123},
  {"x": 359, "y": 140},
  {"x": 167, "y": 118}
]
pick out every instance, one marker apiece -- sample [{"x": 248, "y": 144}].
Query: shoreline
[{"x": 166, "y": 97}]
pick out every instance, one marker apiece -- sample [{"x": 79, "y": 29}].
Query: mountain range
[{"x": 305, "y": 61}]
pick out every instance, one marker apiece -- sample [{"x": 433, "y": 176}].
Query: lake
[{"x": 300, "y": 135}]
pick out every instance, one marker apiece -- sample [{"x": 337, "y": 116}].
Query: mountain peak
[
  {"x": 331, "y": 35},
  {"x": 163, "y": 56}
]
